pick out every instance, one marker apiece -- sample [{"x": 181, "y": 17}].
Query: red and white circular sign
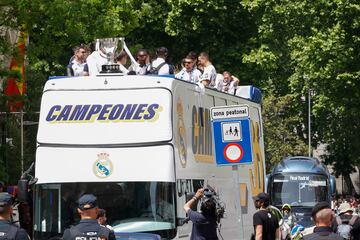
[{"x": 233, "y": 152}]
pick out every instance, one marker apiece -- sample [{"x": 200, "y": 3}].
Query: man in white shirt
[
  {"x": 208, "y": 77},
  {"x": 189, "y": 72},
  {"x": 95, "y": 60},
  {"x": 78, "y": 66},
  {"x": 230, "y": 82},
  {"x": 159, "y": 65},
  {"x": 142, "y": 58}
]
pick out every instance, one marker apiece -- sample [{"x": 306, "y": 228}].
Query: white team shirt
[
  {"x": 139, "y": 70},
  {"x": 230, "y": 87},
  {"x": 78, "y": 68},
  {"x": 219, "y": 82},
  {"x": 164, "y": 70},
  {"x": 95, "y": 61},
  {"x": 209, "y": 74},
  {"x": 192, "y": 76}
]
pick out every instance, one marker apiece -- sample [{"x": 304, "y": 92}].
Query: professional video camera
[{"x": 210, "y": 195}]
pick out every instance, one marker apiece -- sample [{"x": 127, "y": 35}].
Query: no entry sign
[{"x": 233, "y": 152}]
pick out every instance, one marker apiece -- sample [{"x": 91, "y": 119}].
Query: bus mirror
[
  {"x": 23, "y": 187},
  {"x": 267, "y": 181}
]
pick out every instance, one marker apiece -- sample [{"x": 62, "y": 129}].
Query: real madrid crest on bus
[{"x": 103, "y": 166}]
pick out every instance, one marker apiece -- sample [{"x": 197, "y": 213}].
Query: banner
[{"x": 15, "y": 85}]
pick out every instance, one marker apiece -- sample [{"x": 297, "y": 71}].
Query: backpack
[
  {"x": 171, "y": 69},
  {"x": 78, "y": 235},
  {"x": 155, "y": 70},
  {"x": 344, "y": 227},
  {"x": 10, "y": 235}
]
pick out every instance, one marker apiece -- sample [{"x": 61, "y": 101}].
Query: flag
[{"x": 15, "y": 85}]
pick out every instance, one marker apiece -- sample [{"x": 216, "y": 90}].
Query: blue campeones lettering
[{"x": 101, "y": 113}]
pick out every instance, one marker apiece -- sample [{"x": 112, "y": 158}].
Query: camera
[{"x": 210, "y": 194}]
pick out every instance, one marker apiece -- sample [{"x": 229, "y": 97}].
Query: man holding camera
[{"x": 204, "y": 222}]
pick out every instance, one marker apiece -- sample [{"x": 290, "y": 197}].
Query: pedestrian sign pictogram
[
  {"x": 231, "y": 131},
  {"x": 231, "y": 135}
]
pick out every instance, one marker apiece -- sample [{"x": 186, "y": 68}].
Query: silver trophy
[{"x": 110, "y": 46}]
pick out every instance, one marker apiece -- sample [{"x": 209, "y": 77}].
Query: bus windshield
[
  {"x": 130, "y": 206},
  {"x": 299, "y": 189}
]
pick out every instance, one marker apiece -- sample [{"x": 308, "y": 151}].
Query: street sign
[
  {"x": 228, "y": 112},
  {"x": 231, "y": 135},
  {"x": 233, "y": 152}
]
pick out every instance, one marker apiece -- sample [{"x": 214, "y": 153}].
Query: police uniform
[
  {"x": 7, "y": 230},
  {"x": 88, "y": 229}
]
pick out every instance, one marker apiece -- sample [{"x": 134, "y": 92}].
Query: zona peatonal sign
[{"x": 231, "y": 135}]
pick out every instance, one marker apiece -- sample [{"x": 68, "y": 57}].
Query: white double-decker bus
[{"x": 140, "y": 144}]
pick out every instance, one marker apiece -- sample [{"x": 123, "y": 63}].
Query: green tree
[
  {"x": 314, "y": 44},
  {"x": 54, "y": 28},
  {"x": 285, "y": 47},
  {"x": 281, "y": 116}
]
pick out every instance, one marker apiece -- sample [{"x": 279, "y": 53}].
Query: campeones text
[{"x": 103, "y": 113}]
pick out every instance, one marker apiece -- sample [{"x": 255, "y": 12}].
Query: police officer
[
  {"x": 8, "y": 230},
  {"x": 323, "y": 217},
  {"x": 88, "y": 228}
]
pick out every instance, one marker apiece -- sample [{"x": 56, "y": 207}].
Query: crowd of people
[
  {"x": 353, "y": 202},
  {"x": 195, "y": 68},
  {"x": 336, "y": 221}
]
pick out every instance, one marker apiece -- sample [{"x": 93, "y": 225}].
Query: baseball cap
[
  {"x": 264, "y": 197},
  {"x": 87, "y": 201},
  {"x": 5, "y": 199},
  {"x": 318, "y": 207},
  {"x": 345, "y": 207}
]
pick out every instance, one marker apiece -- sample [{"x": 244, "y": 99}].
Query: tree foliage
[
  {"x": 281, "y": 116},
  {"x": 285, "y": 47},
  {"x": 314, "y": 44}
]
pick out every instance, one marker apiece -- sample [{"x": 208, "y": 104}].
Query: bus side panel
[{"x": 195, "y": 164}]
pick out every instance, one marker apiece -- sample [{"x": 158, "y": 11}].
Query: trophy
[{"x": 110, "y": 46}]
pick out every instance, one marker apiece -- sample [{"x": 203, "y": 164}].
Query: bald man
[{"x": 323, "y": 217}]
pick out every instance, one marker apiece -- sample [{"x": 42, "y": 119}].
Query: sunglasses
[
  {"x": 187, "y": 62},
  {"x": 142, "y": 55}
]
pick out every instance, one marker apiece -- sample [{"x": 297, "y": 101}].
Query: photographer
[{"x": 204, "y": 222}]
